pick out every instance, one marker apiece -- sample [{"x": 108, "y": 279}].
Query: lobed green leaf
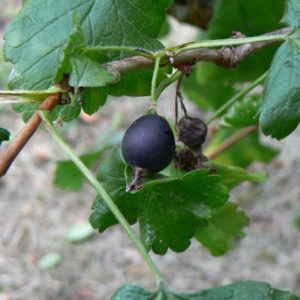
[
  {"x": 27, "y": 110},
  {"x": 244, "y": 290},
  {"x": 165, "y": 205},
  {"x": 88, "y": 73},
  {"x": 68, "y": 176},
  {"x": 70, "y": 112},
  {"x": 111, "y": 174},
  {"x": 291, "y": 16},
  {"x": 232, "y": 176},
  {"x": 93, "y": 99},
  {"x": 161, "y": 206},
  {"x": 223, "y": 230},
  {"x": 243, "y": 113},
  {"x": 40, "y": 40}
]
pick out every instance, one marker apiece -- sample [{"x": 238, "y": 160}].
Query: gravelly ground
[{"x": 35, "y": 217}]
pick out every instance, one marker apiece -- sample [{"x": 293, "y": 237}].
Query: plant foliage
[
  {"x": 4, "y": 135},
  {"x": 103, "y": 23},
  {"x": 173, "y": 207},
  {"x": 248, "y": 290}
]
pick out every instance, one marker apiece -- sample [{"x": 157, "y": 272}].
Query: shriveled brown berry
[
  {"x": 192, "y": 132},
  {"x": 186, "y": 160}
]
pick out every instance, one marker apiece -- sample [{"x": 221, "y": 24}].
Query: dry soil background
[{"x": 35, "y": 217}]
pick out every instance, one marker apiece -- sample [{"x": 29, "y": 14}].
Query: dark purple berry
[{"x": 149, "y": 143}]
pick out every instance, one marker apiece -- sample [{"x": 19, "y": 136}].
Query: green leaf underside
[
  {"x": 233, "y": 176},
  {"x": 244, "y": 152},
  {"x": 210, "y": 86},
  {"x": 70, "y": 112},
  {"x": 280, "y": 111},
  {"x": 27, "y": 109},
  {"x": 161, "y": 206},
  {"x": 224, "y": 228},
  {"x": 37, "y": 40},
  {"x": 242, "y": 114},
  {"x": 247, "y": 290},
  {"x": 4, "y": 135},
  {"x": 87, "y": 73},
  {"x": 68, "y": 176},
  {"x": 55, "y": 112},
  {"x": 292, "y": 13},
  {"x": 93, "y": 99}
]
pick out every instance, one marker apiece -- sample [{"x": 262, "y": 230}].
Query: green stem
[
  {"x": 165, "y": 83},
  {"x": 236, "y": 97},
  {"x": 73, "y": 97},
  {"x": 26, "y": 96},
  {"x": 229, "y": 42},
  {"x": 100, "y": 49},
  {"x": 31, "y": 94},
  {"x": 16, "y": 100},
  {"x": 104, "y": 195},
  {"x": 154, "y": 80}
]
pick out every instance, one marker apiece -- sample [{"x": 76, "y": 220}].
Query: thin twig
[
  {"x": 8, "y": 155},
  {"x": 236, "y": 97},
  {"x": 179, "y": 97},
  {"x": 231, "y": 141},
  {"x": 228, "y": 57},
  {"x": 154, "y": 80}
]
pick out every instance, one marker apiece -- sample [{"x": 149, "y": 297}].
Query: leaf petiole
[
  {"x": 228, "y": 42},
  {"x": 73, "y": 97},
  {"x": 27, "y": 96},
  {"x": 165, "y": 83},
  {"x": 154, "y": 95},
  {"x": 142, "y": 52}
]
